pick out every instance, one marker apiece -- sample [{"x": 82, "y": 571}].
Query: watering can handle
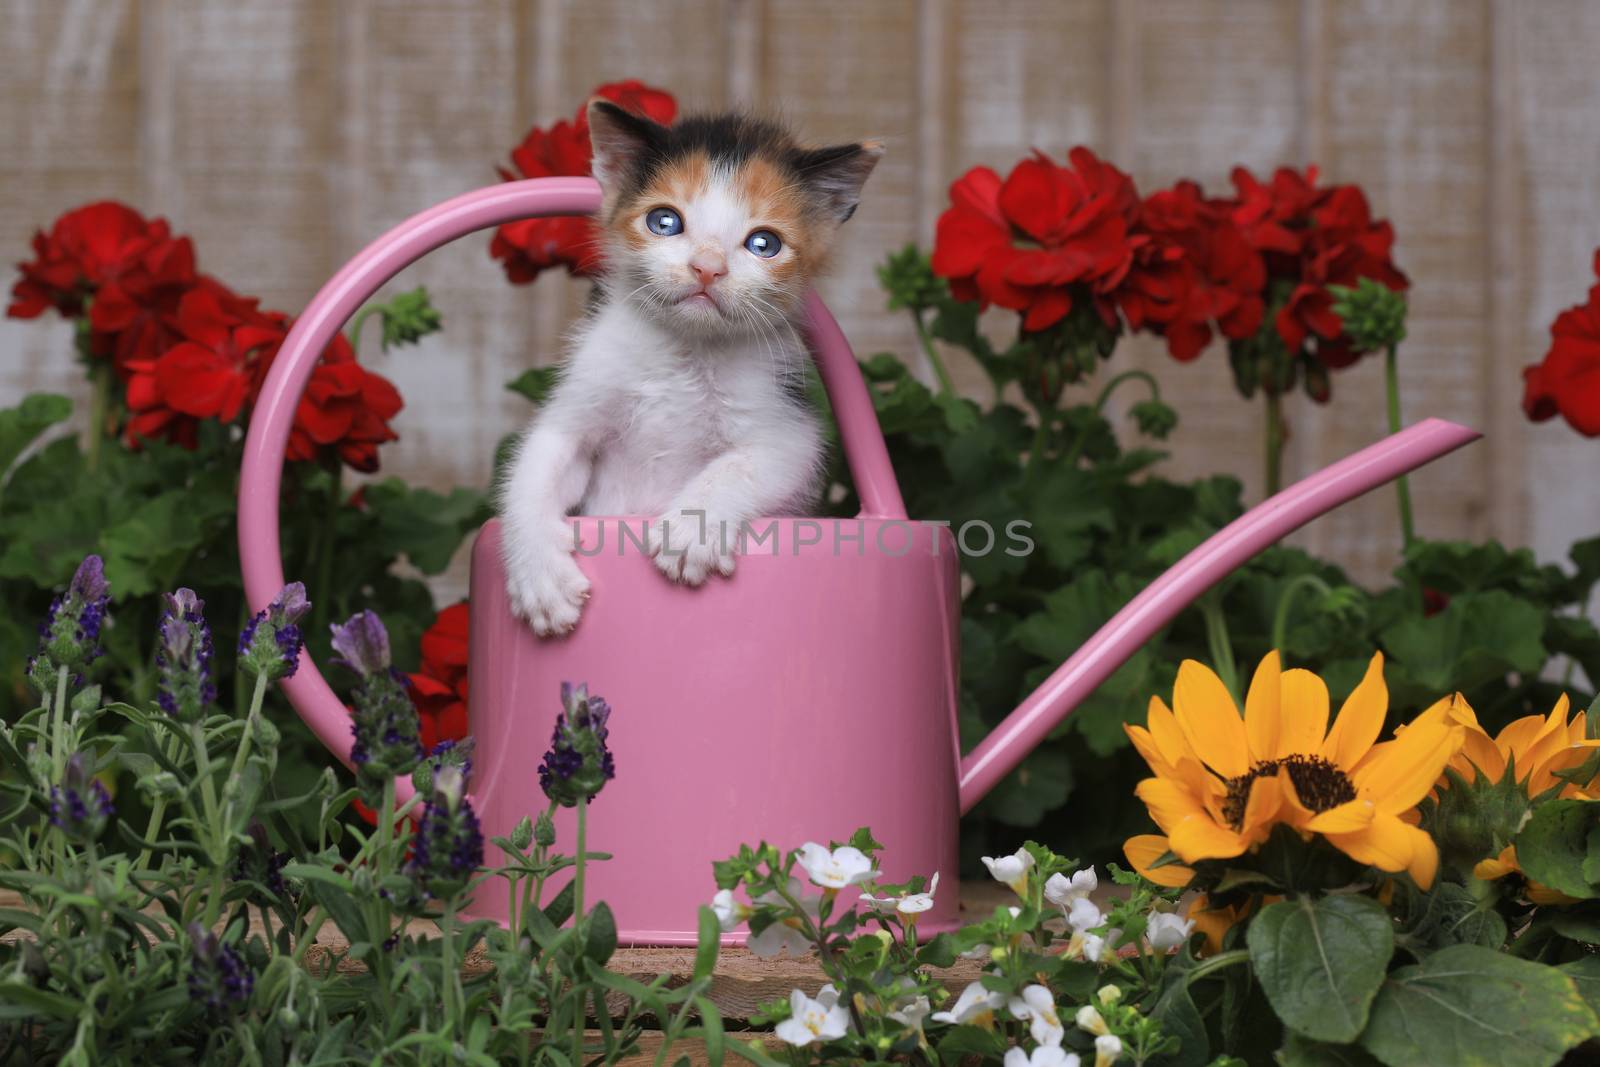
[
  {"x": 1217, "y": 557},
  {"x": 356, "y": 282}
]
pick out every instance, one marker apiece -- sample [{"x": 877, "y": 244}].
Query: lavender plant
[{"x": 192, "y": 937}]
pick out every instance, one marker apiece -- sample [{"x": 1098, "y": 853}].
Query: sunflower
[{"x": 1224, "y": 780}]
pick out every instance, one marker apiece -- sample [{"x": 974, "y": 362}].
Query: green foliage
[
  {"x": 1321, "y": 961},
  {"x": 1560, "y": 847}
]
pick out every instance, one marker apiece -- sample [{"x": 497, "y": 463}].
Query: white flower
[
  {"x": 836, "y": 869},
  {"x": 912, "y": 904},
  {"x": 1090, "y": 946},
  {"x": 1012, "y": 870},
  {"x": 1088, "y": 1018},
  {"x": 1038, "y": 1008},
  {"x": 911, "y": 1015},
  {"x": 786, "y": 934},
  {"x": 1109, "y": 994},
  {"x": 1083, "y": 915},
  {"x": 1107, "y": 1048},
  {"x": 1043, "y": 1056},
  {"x": 729, "y": 912},
  {"x": 1167, "y": 931},
  {"x": 823, "y": 1019},
  {"x": 973, "y": 1006},
  {"x": 1060, "y": 889}
]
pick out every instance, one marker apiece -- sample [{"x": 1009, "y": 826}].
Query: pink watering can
[{"x": 812, "y": 693}]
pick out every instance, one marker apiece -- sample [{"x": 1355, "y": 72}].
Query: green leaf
[
  {"x": 600, "y": 933},
  {"x": 21, "y": 426},
  {"x": 424, "y": 526},
  {"x": 408, "y": 318},
  {"x": 559, "y": 910},
  {"x": 709, "y": 943},
  {"x": 1321, "y": 962},
  {"x": 1039, "y": 785},
  {"x": 535, "y": 384},
  {"x": 1474, "y": 1007},
  {"x": 1301, "y": 1051},
  {"x": 1585, "y": 974},
  {"x": 34, "y": 1001},
  {"x": 1553, "y": 846},
  {"x": 711, "y": 1030},
  {"x": 1476, "y": 639}
]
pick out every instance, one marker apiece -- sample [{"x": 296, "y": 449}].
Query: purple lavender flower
[
  {"x": 270, "y": 642},
  {"x": 262, "y": 864},
  {"x": 79, "y": 804},
  {"x": 384, "y": 720},
  {"x": 219, "y": 977},
  {"x": 448, "y": 848},
  {"x": 362, "y": 644},
  {"x": 183, "y": 658},
  {"x": 579, "y": 762},
  {"x": 70, "y": 634}
]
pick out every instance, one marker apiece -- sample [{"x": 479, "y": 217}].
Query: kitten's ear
[
  {"x": 620, "y": 139},
  {"x": 837, "y": 174}
]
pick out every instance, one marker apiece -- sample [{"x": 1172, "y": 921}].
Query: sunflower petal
[
  {"x": 1346, "y": 818},
  {"x": 1399, "y": 773},
  {"x": 1192, "y": 832},
  {"x": 1169, "y": 802},
  {"x": 1261, "y": 710},
  {"x": 1264, "y": 807},
  {"x": 1210, "y": 720},
  {"x": 1360, "y": 718},
  {"x": 1145, "y": 849},
  {"x": 1304, "y": 720}
]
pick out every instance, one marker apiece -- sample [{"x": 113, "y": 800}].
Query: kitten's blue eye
[
  {"x": 664, "y": 222},
  {"x": 763, "y": 243}
]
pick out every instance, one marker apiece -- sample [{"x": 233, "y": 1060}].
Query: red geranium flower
[
  {"x": 439, "y": 689},
  {"x": 1311, "y": 238},
  {"x": 131, "y": 271},
  {"x": 345, "y": 408},
  {"x": 529, "y": 246},
  {"x": 1567, "y": 383},
  {"x": 1024, "y": 243},
  {"x": 213, "y": 371}
]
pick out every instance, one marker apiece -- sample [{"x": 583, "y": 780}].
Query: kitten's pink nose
[{"x": 708, "y": 267}]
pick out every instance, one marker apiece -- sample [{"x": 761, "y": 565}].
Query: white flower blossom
[
  {"x": 1043, "y": 1056},
  {"x": 1090, "y": 1019},
  {"x": 787, "y": 934},
  {"x": 911, "y": 1015},
  {"x": 1059, "y": 889},
  {"x": 974, "y": 1005},
  {"x": 729, "y": 912},
  {"x": 910, "y": 905},
  {"x": 1012, "y": 870},
  {"x": 823, "y": 1019},
  {"x": 1083, "y": 915},
  {"x": 1109, "y": 994},
  {"x": 835, "y": 869},
  {"x": 1037, "y": 1008},
  {"x": 1166, "y": 931},
  {"x": 1107, "y": 1048}
]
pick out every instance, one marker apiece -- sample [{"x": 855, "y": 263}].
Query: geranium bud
[
  {"x": 578, "y": 764},
  {"x": 270, "y": 642},
  {"x": 70, "y": 635}
]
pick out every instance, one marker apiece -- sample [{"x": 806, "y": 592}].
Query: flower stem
[
  {"x": 158, "y": 809},
  {"x": 99, "y": 407},
  {"x": 1100, "y": 403},
  {"x": 1275, "y": 438},
  {"x": 1217, "y": 641},
  {"x": 1402, "y": 485},
  {"x": 946, "y": 387},
  {"x": 1216, "y": 963},
  {"x": 577, "y": 922},
  {"x": 451, "y": 975},
  {"x": 231, "y": 787},
  {"x": 58, "y": 725},
  {"x": 354, "y": 332}
]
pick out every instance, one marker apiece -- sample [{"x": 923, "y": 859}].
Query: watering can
[{"x": 813, "y": 692}]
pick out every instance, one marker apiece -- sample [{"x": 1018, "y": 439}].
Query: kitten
[{"x": 680, "y": 395}]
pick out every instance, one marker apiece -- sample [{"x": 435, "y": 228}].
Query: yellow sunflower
[{"x": 1224, "y": 780}]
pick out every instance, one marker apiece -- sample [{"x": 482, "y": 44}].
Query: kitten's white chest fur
[{"x": 673, "y": 406}]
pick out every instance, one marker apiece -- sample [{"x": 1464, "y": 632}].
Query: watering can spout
[{"x": 1225, "y": 551}]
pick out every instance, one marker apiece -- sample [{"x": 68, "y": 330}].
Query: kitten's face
[{"x": 718, "y": 225}]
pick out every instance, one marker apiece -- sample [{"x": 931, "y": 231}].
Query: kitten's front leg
[
  {"x": 548, "y": 476},
  {"x": 700, "y": 534}
]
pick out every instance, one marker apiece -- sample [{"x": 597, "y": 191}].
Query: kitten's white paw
[
  {"x": 690, "y": 547},
  {"x": 546, "y": 586}
]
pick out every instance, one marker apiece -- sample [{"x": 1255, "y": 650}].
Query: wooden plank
[{"x": 1405, "y": 117}]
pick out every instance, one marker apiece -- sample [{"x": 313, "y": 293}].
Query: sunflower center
[{"x": 1318, "y": 783}]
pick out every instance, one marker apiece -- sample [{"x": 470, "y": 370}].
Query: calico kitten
[{"x": 679, "y": 393}]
